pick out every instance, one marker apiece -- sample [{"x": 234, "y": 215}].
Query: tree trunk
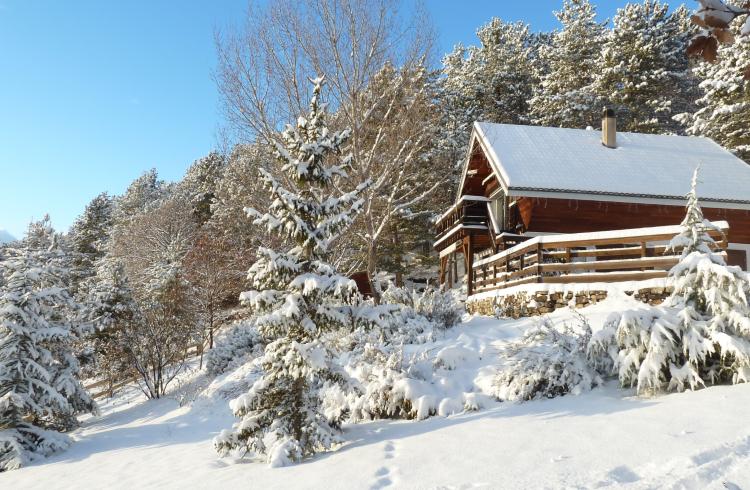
[
  {"x": 372, "y": 256},
  {"x": 211, "y": 329},
  {"x": 397, "y": 259}
]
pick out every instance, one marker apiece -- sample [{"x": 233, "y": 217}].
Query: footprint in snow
[
  {"x": 383, "y": 479},
  {"x": 383, "y": 475},
  {"x": 389, "y": 450},
  {"x": 623, "y": 474}
]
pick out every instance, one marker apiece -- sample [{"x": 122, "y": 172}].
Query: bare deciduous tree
[
  {"x": 393, "y": 143},
  {"x": 157, "y": 341},
  {"x": 214, "y": 269},
  {"x": 152, "y": 248},
  {"x": 374, "y": 58}
]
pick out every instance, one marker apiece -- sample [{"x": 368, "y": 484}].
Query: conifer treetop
[
  {"x": 303, "y": 211},
  {"x": 694, "y": 236}
]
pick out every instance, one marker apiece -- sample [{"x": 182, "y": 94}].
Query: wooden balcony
[
  {"x": 468, "y": 216},
  {"x": 609, "y": 256}
]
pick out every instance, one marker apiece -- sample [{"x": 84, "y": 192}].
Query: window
[
  {"x": 498, "y": 210},
  {"x": 737, "y": 257}
]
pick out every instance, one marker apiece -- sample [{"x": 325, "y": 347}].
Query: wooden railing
[
  {"x": 469, "y": 210},
  {"x": 608, "y": 256}
]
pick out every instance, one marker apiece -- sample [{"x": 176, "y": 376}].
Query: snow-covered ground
[{"x": 605, "y": 438}]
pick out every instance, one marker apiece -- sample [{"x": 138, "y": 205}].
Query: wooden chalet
[{"x": 540, "y": 204}]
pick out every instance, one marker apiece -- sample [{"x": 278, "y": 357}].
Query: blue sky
[{"x": 93, "y": 93}]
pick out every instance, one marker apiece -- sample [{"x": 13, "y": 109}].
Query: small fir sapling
[{"x": 298, "y": 297}]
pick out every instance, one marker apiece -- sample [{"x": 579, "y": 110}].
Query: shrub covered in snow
[
  {"x": 547, "y": 362},
  {"x": 384, "y": 382},
  {"x": 636, "y": 344},
  {"x": 402, "y": 390},
  {"x": 442, "y": 308},
  {"x": 376, "y": 375},
  {"x": 233, "y": 348}
]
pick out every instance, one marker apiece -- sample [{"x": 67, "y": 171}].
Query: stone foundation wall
[{"x": 529, "y": 303}]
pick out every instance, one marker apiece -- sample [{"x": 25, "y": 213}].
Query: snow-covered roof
[{"x": 545, "y": 160}]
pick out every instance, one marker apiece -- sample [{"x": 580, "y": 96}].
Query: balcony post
[{"x": 470, "y": 263}]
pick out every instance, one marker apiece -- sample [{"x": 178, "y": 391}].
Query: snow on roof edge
[
  {"x": 626, "y": 194},
  {"x": 492, "y": 157},
  {"x": 640, "y": 167}
]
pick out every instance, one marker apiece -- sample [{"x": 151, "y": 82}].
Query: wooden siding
[
  {"x": 478, "y": 169},
  {"x": 578, "y": 216}
]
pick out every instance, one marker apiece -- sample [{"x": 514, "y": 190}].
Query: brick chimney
[{"x": 609, "y": 128}]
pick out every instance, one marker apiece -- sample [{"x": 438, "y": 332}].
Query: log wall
[{"x": 579, "y": 216}]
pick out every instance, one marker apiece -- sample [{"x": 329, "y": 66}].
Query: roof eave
[{"x": 623, "y": 197}]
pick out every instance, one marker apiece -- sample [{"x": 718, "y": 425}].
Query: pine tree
[
  {"x": 39, "y": 388},
  {"x": 564, "y": 97},
  {"x": 142, "y": 194},
  {"x": 112, "y": 308},
  {"x": 298, "y": 296},
  {"x": 91, "y": 230},
  {"x": 643, "y": 73},
  {"x": 40, "y": 235},
  {"x": 89, "y": 238},
  {"x": 702, "y": 332},
  {"x": 200, "y": 183},
  {"x": 725, "y": 104},
  {"x": 491, "y": 82}
]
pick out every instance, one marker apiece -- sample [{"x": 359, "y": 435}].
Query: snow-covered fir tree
[
  {"x": 112, "y": 309},
  {"x": 702, "y": 332},
  {"x": 200, "y": 183},
  {"x": 643, "y": 73},
  {"x": 297, "y": 296},
  {"x": 40, "y": 392},
  {"x": 89, "y": 238},
  {"x": 140, "y": 195},
  {"x": 564, "y": 97},
  {"x": 490, "y": 82},
  {"x": 724, "y": 108},
  {"x": 712, "y": 299}
]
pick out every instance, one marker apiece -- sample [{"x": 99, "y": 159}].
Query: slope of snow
[
  {"x": 605, "y": 438},
  {"x": 6, "y": 237}
]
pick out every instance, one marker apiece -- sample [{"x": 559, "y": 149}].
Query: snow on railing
[
  {"x": 460, "y": 202},
  {"x": 605, "y": 256},
  {"x": 467, "y": 214}
]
